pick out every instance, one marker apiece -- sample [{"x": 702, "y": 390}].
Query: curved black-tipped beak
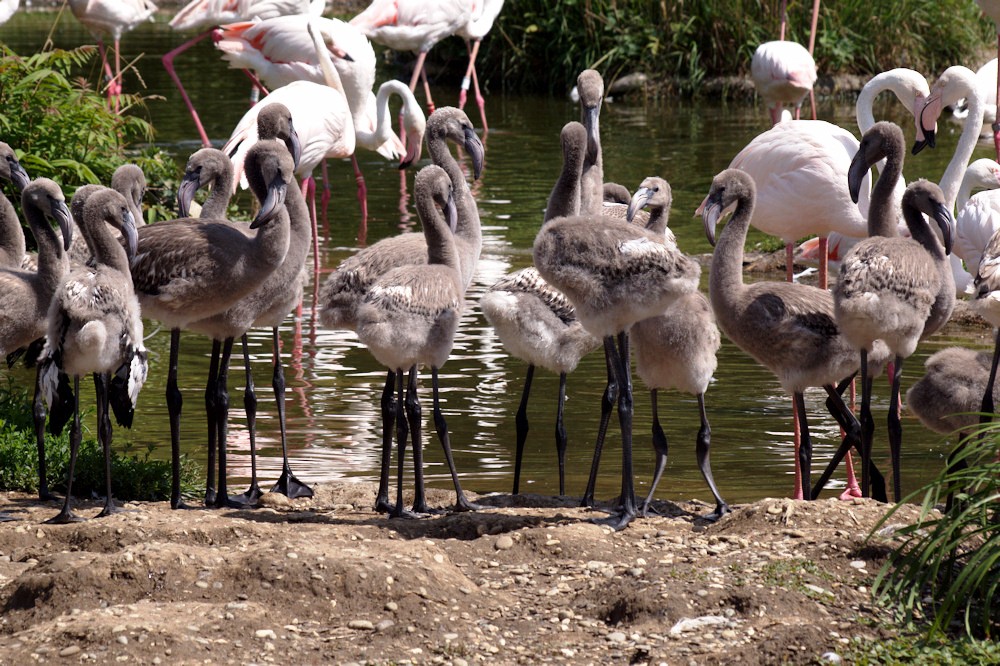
[
  {"x": 856, "y": 175},
  {"x": 294, "y": 144},
  {"x": 451, "y": 212},
  {"x": 929, "y": 141},
  {"x": 638, "y": 202},
  {"x": 474, "y": 146},
  {"x": 946, "y": 223},
  {"x": 129, "y": 232},
  {"x": 185, "y": 193},
  {"x": 18, "y": 175},
  {"x": 272, "y": 204},
  {"x": 710, "y": 215},
  {"x": 61, "y": 214}
]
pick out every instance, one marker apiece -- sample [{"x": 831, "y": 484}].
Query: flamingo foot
[
  {"x": 6, "y": 518},
  {"x": 252, "y": 494},
  {"x": 850, "y": 493},
  {"x": 65, "y": 517},
  {"x": 291, "y": 487}
]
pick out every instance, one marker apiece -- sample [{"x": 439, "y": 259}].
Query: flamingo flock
[{"x": 607, "y": 271}]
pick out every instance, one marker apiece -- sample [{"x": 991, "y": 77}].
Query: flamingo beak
[
  {"x": 474, "y": 146},
  {"x": 856, "y": 174},
  {"x": 946, "y": 223},
  {"x": 18, "y": 175},
  {"x": 294, "y": 144},
  {"x": 272, "y": 204},
  {"x": 185, "y": 193},
  {"x": 927, "y": 123},
  {"x": 638, "y": 202},
  {"x": 711, "y": 211},
  {"x": 61, "y": 213},
  {"x": 131, "y": 235}
]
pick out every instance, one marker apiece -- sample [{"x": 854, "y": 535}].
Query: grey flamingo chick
[
  {"x": 948, "y": 398},
  {"x": 615, "y": 274},
  {"x": 268, "y": 305},
  {"x": 788, "y": 328},
  {"x": 534, "y": 321},
  {"x": 898, "y": 290},
  {"x": 95, "y": 327},
  {"x": 187, "y": 270},
  {"x": 207, "y": 168},
  {"x": 675, "y": 350},
  {"x": 590, "y": 86},
  {"x": 345, "y": 288},
  {"x": 25, "y": 295},
  {"x": 410, "y": 316}
]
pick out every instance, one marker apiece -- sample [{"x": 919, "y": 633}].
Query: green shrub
[
  {"x": 63, "y": 130},
  {"x": 134, "y": 476},
  {"x": 946, "y": 571}
]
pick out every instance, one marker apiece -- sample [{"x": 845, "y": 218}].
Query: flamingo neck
[
  {"x": 725, "y": 282},
  {"x": 952, "y": 178}
]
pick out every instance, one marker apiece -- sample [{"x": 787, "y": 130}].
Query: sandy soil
[{"x": 527, "y": 580}]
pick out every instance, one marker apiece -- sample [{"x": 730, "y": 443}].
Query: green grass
[{"x": 135, "y": 476}]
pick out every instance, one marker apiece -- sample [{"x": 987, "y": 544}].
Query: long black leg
[
  {"x": 896, "y": 429},
  {"x": 38, "y": 413},
  {"x": 661, "y": 447},
  {"x": 212, "y": 415},
  {"x": 415, "y": 420},
  {"x": 521, "y": 425},
  {"x": 253, "y": 493},
  {"x": 388, "y": 406},
  {"x": 174, "y": 404},
  {"x": 101, "y": 382},
  {"x": 805, "y": 447},
  {"x": 852, "y": 438},
  {"x": 287, "y": 483},
  {"x": 867, "y": 425},
  {"x": 628, "y": 509},
  {"x": 561, "y": 441},
  {"x": 66, "y": 515},
  {"x": 402, "y": 432},
  {"x": 987, "y": 408},
  {"x": 607, "y": 402},
  {"x": 222, "y": 498},
  {"x": 461, "y": 502},
  {"x": 702, "y": 447}
]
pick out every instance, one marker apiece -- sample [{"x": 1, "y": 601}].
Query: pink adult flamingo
[
  {"x": 991, "y": 8},
  {"x": 414, "y": 25},
  {"x": 206, "y": 14},
  {"x": 783, "y": 72},
  {"x": 111, "y": 17},
  {"x": 484, "y": 13},
  {"x": 281, "y": 50}
]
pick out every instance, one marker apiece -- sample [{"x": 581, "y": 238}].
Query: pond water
[{"x": 334, "y": 384}]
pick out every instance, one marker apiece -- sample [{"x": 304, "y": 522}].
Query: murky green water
[{"x": 334, "y": 384}]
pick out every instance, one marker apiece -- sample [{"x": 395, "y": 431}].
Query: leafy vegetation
[
  {"x": 134, "y": 476},
  {"x": 911, "y": 649},
  {"x": 946, "y": 572},
  {"x": 63, "y": 130},
  {"x": 542, "y": 45}
]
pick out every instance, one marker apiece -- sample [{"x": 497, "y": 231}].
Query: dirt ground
[{"x": 527, "y": 580}]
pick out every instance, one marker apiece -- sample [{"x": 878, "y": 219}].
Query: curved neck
[
  {"x": 659, "y": 216},
  {"x": 105, "y": 247},
  {"x": 383, "y": 124},
  {"x": 952, "y": 178},
  {"x": 883, "y": 211},
  {"x": 217, "y": 203},
  {"x": 905, "y": 84},
  {"x": 300, "y": 226},
  {"x": 52, "y": 260},
  {"x": 726, "y": 278},
  {"x": 921, "y": 232},
  {"x": 564, "y": 200}
]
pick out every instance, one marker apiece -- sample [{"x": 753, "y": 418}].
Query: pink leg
[
  {"x": 362, "y": 189},
  {"x": 480, "y": 100},
  {"x": 325, "y": 198},
  {"x": 109, "y": 75},
  {"x": 824, "y": 267},
  {"x": 117, "y": 87},
  {"x": 789, "y": 262},
  {"x": 168, "y": 64},
  {"x": 309, "y": 194}
]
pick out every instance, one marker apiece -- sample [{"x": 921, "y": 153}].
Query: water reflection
[{"x": 334, "y": 384}]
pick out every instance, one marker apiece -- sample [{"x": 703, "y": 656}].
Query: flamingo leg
[
  {"x": 362, "y": 189},
  {"x": 168, "y": 64},
  {"x": 608, "y": 400},
  {"x": 402, "y": 432},
  {"x": 388, "y": 422},
  {"x": 101, "y": 381},
  {"x": 561, "y": 442},
  {"x": 803, "y": 451},
  {"x": 867, "y": 425},
  {"x": 253, "y": 493},
  {"x": 174, "y": 404},
  {"x": 309, "y": 194},
  {"x": 38, "y": 413},
  {"x": 661, "y": 447},
  {"x": 461, "y": 502},
  {"x": 222, "y": 498},
  {"x": 702, "y": 450},
  {"x": 287, "y": 484},
  {"x": 628, "y": 509},
  {"x": 211, "y": 414},
  {"x": 414, "y": 416},
  {"x": 66, "y": 515},
  {"x": 521, "y": 426}
]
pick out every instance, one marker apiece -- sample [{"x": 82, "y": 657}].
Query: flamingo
[
  {"x": 484, "y": 13},
  {"x": 199, "y": 14},
  {"x": 986, "y": 77},
  {"x": 282, "y": 50},
  {"x": 991, "y": 8},
  {"x": 114, "y": 18},
  {"x": 414, "y": 25},
  {"x": 783, "y": 72},
  {"x": 978, "y": 215}
]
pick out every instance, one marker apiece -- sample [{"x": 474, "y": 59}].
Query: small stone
[
  {"x": 392, "y": 606},
  {"x": 729, "y": 634},
  {"x": 40, "y": 534},
  {"x": 458, "y": 661},
  {"x": 266, "y": 634},
  {"x": 439, "y": 558},
  {"x": 505, "y": 542},
  {"x": 123, "y": 639},
  {"x": 830, "y": 658},
  {"x": 365, "y": 625},
  {"x": 69, "y": 651},
  {"x": 202, "y": 584},
  {"x": 292, "y": 556},
  {"x": 616, "y": 637},
  {"x": 859, "y": 564},
  {"x": 384, "y": 625}
]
